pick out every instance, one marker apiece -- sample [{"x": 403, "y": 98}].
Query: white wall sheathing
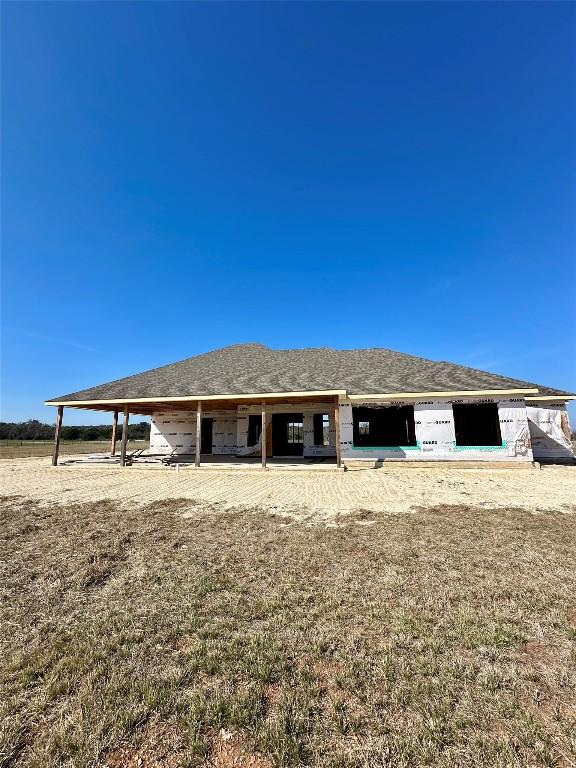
[
  {"x": 224, "y": 433},
  {"x": 173, "y": 431},
  {"x": 434, "y": 422},
  {"x": 435, "y": 433},
  {"x": 550, "y": 431},
  {"x": 242, "y": 427},
  {"x": 176, "y": 430}
]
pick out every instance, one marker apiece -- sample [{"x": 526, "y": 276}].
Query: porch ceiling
[{"x": 148, "y": 408}]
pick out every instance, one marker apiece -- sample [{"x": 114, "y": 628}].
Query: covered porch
[
  {"x": 271, "y": 431},
  {"x": 147, "y": 461}
]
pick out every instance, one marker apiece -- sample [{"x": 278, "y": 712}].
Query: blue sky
[{"x": 182, "y": 176}]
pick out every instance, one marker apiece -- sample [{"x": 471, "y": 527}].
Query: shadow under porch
[{"x": 301, "y": 432}]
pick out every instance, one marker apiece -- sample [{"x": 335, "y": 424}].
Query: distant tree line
[{"x": 35, "y": 430}]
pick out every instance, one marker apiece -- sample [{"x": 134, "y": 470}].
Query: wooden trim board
[
  {"x": 196, "y": 398},
  {"x": 315, "y": 393},
  {"x": 553, "y": 398},
  {"x": 458, "y": 393}
]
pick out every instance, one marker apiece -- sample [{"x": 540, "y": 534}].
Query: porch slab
[
  {"x": 255, "y": 463},
  {"x": 363, "y": 464},
  {"x": 252, "y": 463}
]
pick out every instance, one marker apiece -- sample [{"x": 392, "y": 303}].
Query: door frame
[{"x": 207, "y": 421}]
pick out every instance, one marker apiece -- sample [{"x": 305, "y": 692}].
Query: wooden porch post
[
  {"x": 114, "y": 434},
  {"x": 263, "y": 434},
  {"x": 57, "y": 434},
  {"x": 198, "y": 432},
  {"x": 337, "y": 427},
  {"x": 124, "y": 438}
]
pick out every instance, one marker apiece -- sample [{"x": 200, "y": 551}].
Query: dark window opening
[
  {"x": 382, "y": 427},
  {"x": 477, "y": 424},
  {"x": 254, "y": 429},
  {"x": 321, "y": 429}
]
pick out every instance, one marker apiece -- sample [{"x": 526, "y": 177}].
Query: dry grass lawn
[
  {"x": 23, "y": 449},
  {"x": 187, "y": 634}
]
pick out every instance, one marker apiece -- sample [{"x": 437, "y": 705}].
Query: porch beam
[
  {"x": 198, "y": 432},
  {"x": 263, "y": 434},
  {"x": 57, "y": 434},
  {"x": 256, "y": 396},
  {"x": 114, "y": 434},
  {"x": 124, "y": 438},
  {"x": 337, "y": 428}
]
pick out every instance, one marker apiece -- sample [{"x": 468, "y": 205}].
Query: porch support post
[
  {"x": 198, "y": 432},
  {"x": 337, "y": 427},
  {"x": 263, "y": 434},
  {"x": 124, "y": 438},
  {"x": 114, "y": 434},
  {"x": 57, "y": 434}
]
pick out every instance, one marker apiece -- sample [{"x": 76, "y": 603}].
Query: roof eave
[
  {"x": 559, "y": 398},
  {"x": 280, "y": 395},
  {"x": 447, "y": 393},
  {"x": 196, "y": 398}
]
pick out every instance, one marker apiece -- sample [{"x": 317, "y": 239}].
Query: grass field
[
  {"x": 23, "y": 449},
  {"x": 180, "y": 634}
]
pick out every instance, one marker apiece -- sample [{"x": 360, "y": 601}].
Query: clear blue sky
[{"x": 183, "y": 176}]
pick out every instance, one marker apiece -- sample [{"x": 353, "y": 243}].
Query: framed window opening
[
  {"x": 321, "y": 429},
  {"x": 391, "y": 426},
  {"x": 477, "y": 424},
  {"x": 294, "y": 432}
]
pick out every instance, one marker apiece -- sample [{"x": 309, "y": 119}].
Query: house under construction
[{"x": 359, "y": 405}]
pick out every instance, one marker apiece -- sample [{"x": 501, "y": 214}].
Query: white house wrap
[
  {"x": 550, "y": 430},
  {"x": 435, "y": 433}
]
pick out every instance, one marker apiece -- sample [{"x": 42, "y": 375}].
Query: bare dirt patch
[
  {"x": 158, "y": 746},
  {"x": 229, "y": 751}
]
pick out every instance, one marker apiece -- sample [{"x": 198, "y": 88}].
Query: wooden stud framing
[
  {"x": 124, "y": 438},
  {"x": 268, "y": 437},
  {"x": 57, "y": 434},
  {"x": 114, "y": 434},
  {"x": 198, "y": 432},
  {"x": 263, "y": 434},
  {"x": 337, "y": 428}
]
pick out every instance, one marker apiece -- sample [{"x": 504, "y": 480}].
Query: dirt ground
[
  {"x": 389, "y": 618},
  {"x": 183, "y": 635},
  {"x": 302, "y": 494}
]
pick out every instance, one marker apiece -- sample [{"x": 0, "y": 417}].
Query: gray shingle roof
[{"x": 255, "y": 368}]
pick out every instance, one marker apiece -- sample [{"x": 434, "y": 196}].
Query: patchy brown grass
[
  {"x": 143, "y": 636},
  {"x": 25, "y": 449}
]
